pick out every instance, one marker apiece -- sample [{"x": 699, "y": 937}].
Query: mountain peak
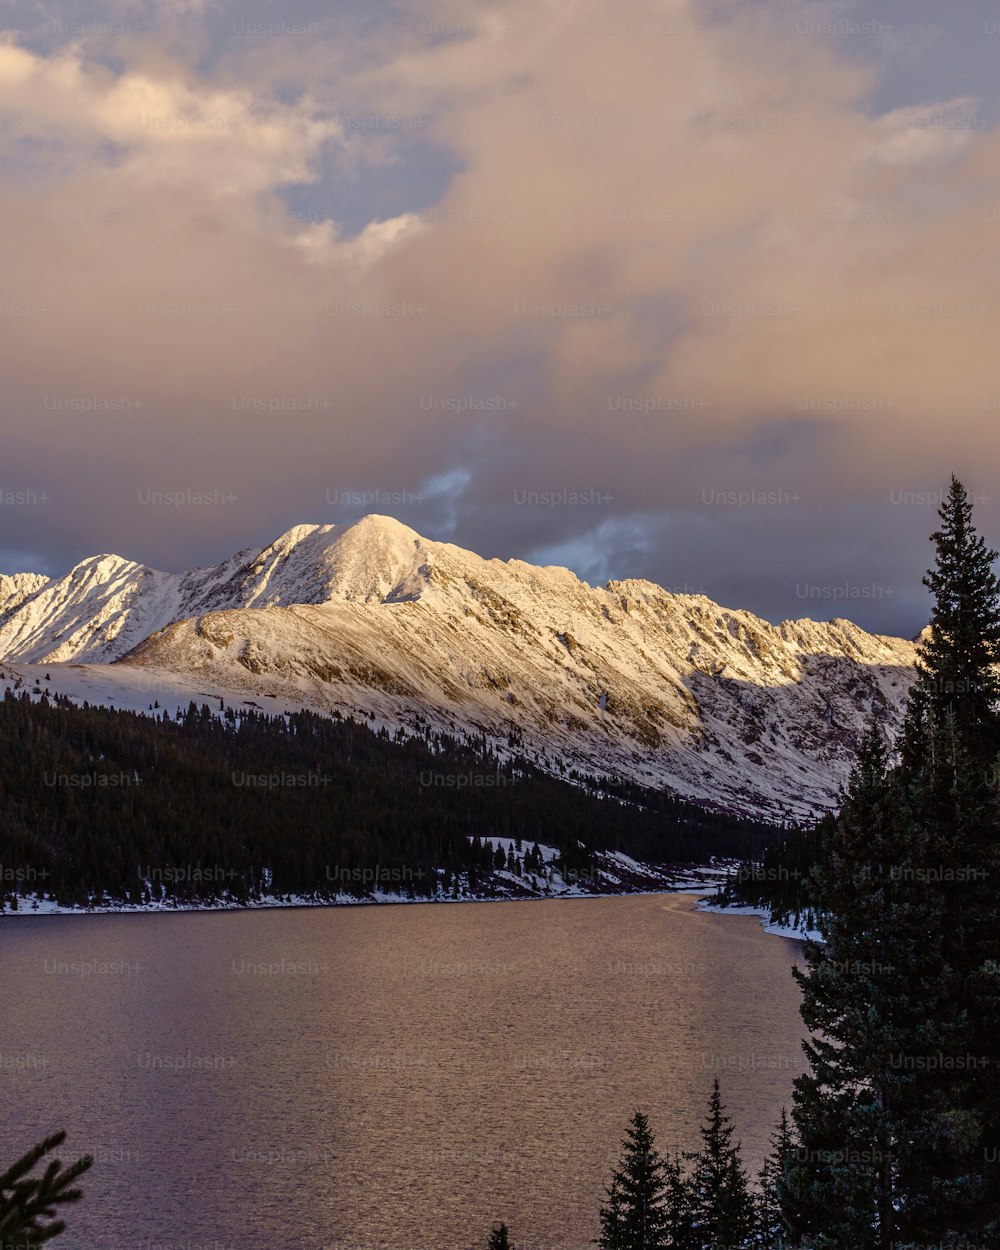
[
  {"x": 630, "y": 680},
  {"x": 378, "y": 523},
  {"x": 374, "y": 528},
  {"x": 104, "y": 567},
  {"x": 375, "y": 559}
]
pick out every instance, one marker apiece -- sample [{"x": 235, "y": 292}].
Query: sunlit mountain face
[{"x": 626, "y": 680}]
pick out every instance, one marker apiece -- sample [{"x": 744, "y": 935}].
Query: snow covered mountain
[
  {"x": 106, "y": 604},
  {"x": 624, "y": 680}
]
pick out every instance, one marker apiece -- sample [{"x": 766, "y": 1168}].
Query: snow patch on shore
[
  {"x": 636, "y": 878},
  {"x": 779, "y": 930}
]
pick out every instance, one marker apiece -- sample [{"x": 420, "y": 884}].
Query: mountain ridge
[{"x": 626, "y": 680}]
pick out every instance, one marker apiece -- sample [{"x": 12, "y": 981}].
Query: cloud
[
  {"x": 926, "y": 132},
  {"x": 679, "y": 255}
]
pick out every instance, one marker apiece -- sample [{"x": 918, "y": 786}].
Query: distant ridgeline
[{"x": 217, "y": 804}]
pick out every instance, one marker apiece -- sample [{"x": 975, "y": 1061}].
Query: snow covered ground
[
  {"x": 779, "y": 930},
  {"x": 702, "y": 881},
  {"x": 618, "y": 874}
]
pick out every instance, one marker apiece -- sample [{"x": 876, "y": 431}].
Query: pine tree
[
  {"x": 635, "y": 1216},
  {"x": 28, "y": 1204},
  {"x": 613, "y": 1236},
  {"x": 499, "y": 1238},
  {"x": 843, "y": 1103},
  {"x": 895, "y": 1125},
  {"x": 957, "y": 671},
  {"x": 776, "y": 1200},
  {"x": 934, "y": 1123},
  {"x": 722, "y": 1207},
  {"x": 950, "y": 745},
  {"x": 681, "y": 1234}
]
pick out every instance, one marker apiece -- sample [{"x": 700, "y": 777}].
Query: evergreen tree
[
  {"x": 28, "y": 1204},
  {"x": 957, "y": 673},
  {"x": 636, "y": 1216},
  {"x": 950, "y": 745},
  {"x": 613, "y": 1218},
  {"x": 681, "y": 1232},
  {"x": 499, "y": 1238},
  {"x": 776, "y": 1228},
  {"x": 843, "y": 1103},
  {"x": 900, "y": 1107},
  {"x": 722, "y": 1207}
]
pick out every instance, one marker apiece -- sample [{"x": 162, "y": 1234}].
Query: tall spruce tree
[
  {"x": 950, "y": 745},
  {"x": 636, "y": 1216},
  {"x": 722, "y": 1206},
  {"x": 898, "y": 1113},
  {"x": 957, "y": 673},
  {"x": 843, "y": 1167}
]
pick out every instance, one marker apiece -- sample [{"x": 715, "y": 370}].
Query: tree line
[
  {"x": 691, "y": 1200},
  {"x": 103, "y": 804}
]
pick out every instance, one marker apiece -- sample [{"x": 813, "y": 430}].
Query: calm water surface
[{"x": 381, "y": 1077}]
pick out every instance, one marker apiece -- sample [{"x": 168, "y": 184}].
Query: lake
[{"x": 381, "y": 1077}]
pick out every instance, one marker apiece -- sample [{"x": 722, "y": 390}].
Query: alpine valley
[{"x": 626, "y": 682}]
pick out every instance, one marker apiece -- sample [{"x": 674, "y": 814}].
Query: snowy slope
[
  {"x": 14, "y": 590},
  {"x": 627, "y": 679}
]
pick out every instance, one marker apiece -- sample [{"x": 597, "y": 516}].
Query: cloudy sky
[{"x": 700, "y": 292}]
